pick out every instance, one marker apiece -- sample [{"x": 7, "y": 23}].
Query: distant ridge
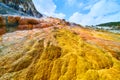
[
  {"x": 110, "y": 24},
  {"x": 113, "y": 25}
]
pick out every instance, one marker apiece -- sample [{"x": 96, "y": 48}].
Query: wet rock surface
[{"x": 58, "y": 51}]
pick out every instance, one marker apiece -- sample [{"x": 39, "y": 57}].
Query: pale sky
[{"x": 85, "y": 12}]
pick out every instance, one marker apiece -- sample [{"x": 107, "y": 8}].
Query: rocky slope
[
  {"x": 14, "y": 23},
  {"x": 59, "y": 52},
  {"x": 19, "y": 7}
]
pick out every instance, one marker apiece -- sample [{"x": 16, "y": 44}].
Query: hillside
[
  {"x": 59, "y": 52},
  {"x": 114, "y": 25},
  {"x": 110, "y": 24}
]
